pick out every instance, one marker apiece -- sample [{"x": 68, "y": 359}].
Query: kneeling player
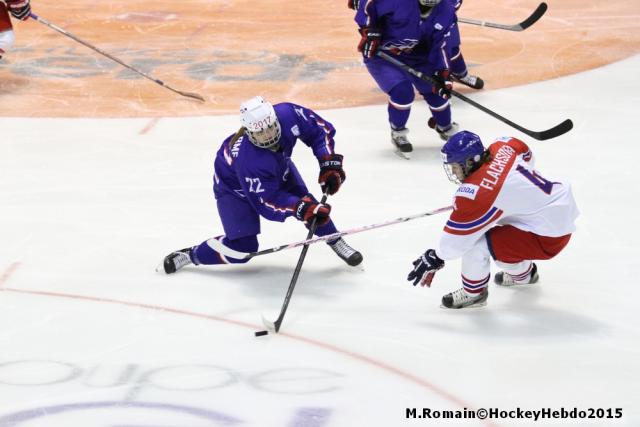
[
  {"x": 505, "y": 210},
  {"x": 255, "y": 177}
]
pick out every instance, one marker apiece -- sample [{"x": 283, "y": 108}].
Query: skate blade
[
  {"x": 477, "y": 305},
  {"x": 403, "y": 155}
]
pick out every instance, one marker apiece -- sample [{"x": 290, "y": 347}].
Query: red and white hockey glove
[
  {"x": 353, "y": 4},
  {"x": 443, "y": 84},
  {"x": 20, "y": 9},
  {"x": 424, "y": 268},
  {"x": 331, "y": 173},
  {"x": 307, "y": 208},
  {"x": 369, "y": 42}
]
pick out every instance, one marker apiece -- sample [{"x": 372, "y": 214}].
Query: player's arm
[
  {"x": 468, "y": 222},
  {"x": 318, "y": 134},
  {"x": 463, "y": 229}
]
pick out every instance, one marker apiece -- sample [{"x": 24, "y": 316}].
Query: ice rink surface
[{"x": 91, "y": 335}]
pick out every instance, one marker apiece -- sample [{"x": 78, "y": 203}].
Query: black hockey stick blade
[
  {"x": 535, "y": 16},
  {"x": 554, "y": 132},
  {"x": 273, "y": 327},
  {"x": 532, "y": 19}
]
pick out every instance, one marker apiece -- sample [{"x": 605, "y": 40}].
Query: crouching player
[
  {"x": 255, "y": 177},
  {"x": 503, "y": 209}
]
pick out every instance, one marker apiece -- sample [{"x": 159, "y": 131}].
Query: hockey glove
[
  {"x": 353, "y": 4},
  {"x": 424, "y": 268},
  {"x": 20, "y": 9},
  {"x": 331, "y": 174},
  {"x": 443, "y": 84},
  {"x": 369, "y": 42},
  {"x": 307, "y": 208}
]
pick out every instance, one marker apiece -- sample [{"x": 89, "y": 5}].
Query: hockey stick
[
  {"x": 553, "y": 132},
  {"x": 113, "y": 58},
  {"x": 532, "y": 19},
  {"x": 275, "y": 326},
  {"x": 226, "y": 251}
]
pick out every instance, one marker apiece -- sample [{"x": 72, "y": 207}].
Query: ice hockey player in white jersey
[{"x": 503, "y": 209}]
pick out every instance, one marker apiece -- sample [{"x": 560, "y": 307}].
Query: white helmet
[{"x": 260, "y": 121}]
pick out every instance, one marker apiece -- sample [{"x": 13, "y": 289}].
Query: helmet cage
[{"x": 266, "y": 137}]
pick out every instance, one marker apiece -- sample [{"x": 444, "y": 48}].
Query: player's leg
[
  {"x": 241, "y": 225},
  {"x": 514, "y": 251},
  {"x": 6, "y": 30},
  {"x": 440, "y": 107},
  {"x": 475, "y": 278},
  {"x": 457, "y": 64},
  {"x": 395, "y": 83},
  {"x": 296, "y": 185}
]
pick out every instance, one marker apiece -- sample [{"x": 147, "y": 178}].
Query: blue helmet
[{"x": 464, "y": 149}]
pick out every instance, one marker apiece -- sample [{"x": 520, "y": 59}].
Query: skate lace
[
  {"x": 181, "y": 259},
  {"x": 447, "y": 133},
  {"x": 460, "y": 296},
  {"x": 469, "y": 79},
  {"x": 400, "y": 136},
  {"x": 341, "y": 248}
]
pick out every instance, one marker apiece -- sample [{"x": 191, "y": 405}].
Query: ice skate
[
  {"x": 506, "y": 279},
  {"x": 473, "y": 82},
  {"x": 176, "y": 260},
  {"x": 461, "y": 299},
  {"x": 444, "y": 132},
  {"x": 402, "y": 144},
  {"x": 346, "y": 252}
]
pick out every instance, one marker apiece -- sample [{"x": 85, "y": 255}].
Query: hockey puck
[{"x": 261, "y": 333}]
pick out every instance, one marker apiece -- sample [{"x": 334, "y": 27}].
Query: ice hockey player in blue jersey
[
  {"x": 255, "y": 177},
  {"x": 416, "y": 31},
  {"x": 458, "y": 65}
]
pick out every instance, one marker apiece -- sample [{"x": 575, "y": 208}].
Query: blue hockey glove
[
  {"x": 369, "y": 42},
  {"x": 331, "y": 173},
  {"x": 20, "y": 9},
  {"x": 424, "y": 268},
  {"x": 443, "y": 84}
]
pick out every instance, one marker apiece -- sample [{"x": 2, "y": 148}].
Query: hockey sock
[
  {"x": 440, "y": 110},
  {"x": 457, "y": 65},
  {"x": 476, "y": 268},
  {"x": 205, "y": 254},
  {"x": 400, "y": 99},
  {"x": 328, "y": 228}
]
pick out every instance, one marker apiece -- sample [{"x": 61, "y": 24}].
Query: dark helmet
[{"x": 465, "y": 150}]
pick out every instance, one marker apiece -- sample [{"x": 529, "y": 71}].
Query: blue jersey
[
  {"x": 436, "y": 40},
  {"x": 397, "y": 20},
  {"x": 266, "y": 178}
]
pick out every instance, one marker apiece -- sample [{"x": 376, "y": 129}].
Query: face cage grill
[
  {"x": 448, "y": 169},
  {"x": 266, "y": 138}
]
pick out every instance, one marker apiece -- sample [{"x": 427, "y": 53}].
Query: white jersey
[{"x": 507, "y": 190}]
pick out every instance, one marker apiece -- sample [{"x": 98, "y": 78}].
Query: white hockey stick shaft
[{"x": 231, "y": 253}]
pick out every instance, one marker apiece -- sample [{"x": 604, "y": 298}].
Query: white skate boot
[{"x": 461, "y": 299}]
